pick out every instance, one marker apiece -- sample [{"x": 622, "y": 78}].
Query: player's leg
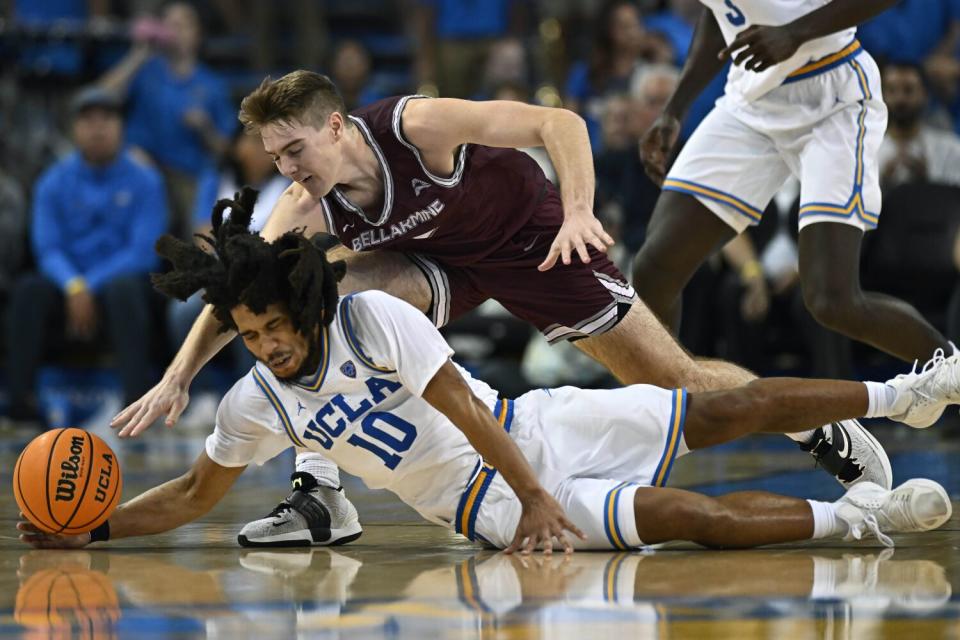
[
  {"x": 840, "y": 184},
  {"x": 753, "y": 518},
  {"x": 388, "y": 271},
  {"x": 624, "y": 515},
  {"x": 830, "y": 281},
  {"x": 639, "y": 349},
  {"x": 721, "y": 182},
  {"x": 681, "y": 235}
]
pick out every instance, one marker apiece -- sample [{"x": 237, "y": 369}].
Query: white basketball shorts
[
  {"x": 591, "y": 449},
  {"x": 824, "y": 127}
]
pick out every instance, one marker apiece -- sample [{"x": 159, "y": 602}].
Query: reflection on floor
[{"x": 406, "y": 579}]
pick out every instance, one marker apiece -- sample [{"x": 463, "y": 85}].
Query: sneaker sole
[
  {"x": 305, "y": 538},
  {"x": 878, "y": 450}
]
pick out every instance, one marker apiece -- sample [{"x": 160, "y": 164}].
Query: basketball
[
  {"x": 68, "y": 598},
  {"x": 67, "y": 481}
]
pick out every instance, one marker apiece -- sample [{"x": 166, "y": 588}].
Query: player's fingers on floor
[
  {"x": 569, "y": 526},
  {"x": 529, "y": 544},
  {"x": 546, "y": 541}
]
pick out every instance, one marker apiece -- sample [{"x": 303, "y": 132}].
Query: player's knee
[{"x": 833, "y": 307}]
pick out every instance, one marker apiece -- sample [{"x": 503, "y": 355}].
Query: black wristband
[{"x": 101, "y": 533}]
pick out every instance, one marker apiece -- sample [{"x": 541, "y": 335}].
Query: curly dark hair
[{"x": 236, "y": 267}]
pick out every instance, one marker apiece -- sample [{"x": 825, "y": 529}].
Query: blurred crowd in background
[{"x": 119, "y": 124}]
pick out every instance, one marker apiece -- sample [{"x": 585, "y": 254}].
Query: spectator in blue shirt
[
  {"x": 96, "y": 216},
  {"x": 180, "y": 112}
]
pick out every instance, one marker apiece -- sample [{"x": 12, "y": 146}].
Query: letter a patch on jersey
[
  {"x": 349, "y": 369},
  {"x": 419, "y": 185}
]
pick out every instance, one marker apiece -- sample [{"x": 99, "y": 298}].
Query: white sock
[
  {"x": 881, "y": 399},
  {"x": 826, "y": 524},
  {"x": 326, "y": 473},
  {"x": 803, "y": 437}
]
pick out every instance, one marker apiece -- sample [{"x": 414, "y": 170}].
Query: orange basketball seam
[
  {"x": 86, "y": 485},
  {"x": 46, "y": 480},
  {"x": 116, "y": 485},
  {"x": 19, "y": 492}
]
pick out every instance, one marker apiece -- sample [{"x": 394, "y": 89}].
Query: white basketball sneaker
[
  {"x": 923, "y": 395},
  {"x": 916, "y": 505},
  {"x": 311, "y": 515},
  {"x": 851, "y": 454}
]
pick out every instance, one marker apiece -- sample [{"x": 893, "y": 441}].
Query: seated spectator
[
  {"x": 96, "y": 216},
  {"x": 350, "y": 70},
  {"x": 13, "y": 233},
  {"x": 624, "y": 192},
  {"x": 454, "y": 38},
  {"x": 245, "y": 163},
  {"x": 913, "y": 151},
  {"x": 620, "y": 44},
  {"x": 179, "y": 110}
]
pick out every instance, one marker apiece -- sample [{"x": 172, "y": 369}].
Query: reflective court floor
[{"x": 407, "y": 579}]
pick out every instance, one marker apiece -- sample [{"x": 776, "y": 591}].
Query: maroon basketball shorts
[{"x": 568, "y": 302}]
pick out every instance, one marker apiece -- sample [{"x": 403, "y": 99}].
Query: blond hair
[{"x": 301, "y": 97}]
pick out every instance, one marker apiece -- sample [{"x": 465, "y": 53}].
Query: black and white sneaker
[
  {"x": 313, "y": 515},
  {"x": 851, "y": 454}
]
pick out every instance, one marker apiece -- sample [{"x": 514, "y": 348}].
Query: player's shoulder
[
  {"x": 369, "y": 305},
  {"x": 247, "y": 398}
]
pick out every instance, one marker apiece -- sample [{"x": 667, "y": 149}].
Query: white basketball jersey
[
  {"x": 362, "y": 408},
  {"x": 734, "y": 16}
]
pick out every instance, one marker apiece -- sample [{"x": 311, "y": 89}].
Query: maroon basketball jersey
[{"x": 459, "y": 219}]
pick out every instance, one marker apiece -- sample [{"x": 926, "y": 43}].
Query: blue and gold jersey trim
[
  {"x": 278, "y": 407},
  {"x": 827, "y": 63},
  {"x": 321, "y": 374},
  {"x": 678, "y": 413},
  {"x": 611, "y": 524},
  {"x": 476, "y": 489},
  {"x": 854, "y": 206},
  {"x": 351, "y": 337},
  {"x": 696, "y": 189}
]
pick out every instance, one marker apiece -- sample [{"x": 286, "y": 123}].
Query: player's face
[
  {"x": 271, "y": 338},
  {"x": 309, "y": 156}
]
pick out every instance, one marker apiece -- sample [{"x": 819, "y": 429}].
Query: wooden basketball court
[{"x": 407, "y": 579}]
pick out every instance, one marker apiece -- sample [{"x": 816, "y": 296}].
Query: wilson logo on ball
[{"x": 70, "y": 471}]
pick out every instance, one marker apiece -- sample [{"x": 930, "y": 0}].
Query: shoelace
[
  {"x": 870, "y": 523},
  {"x": 280, "y": 508},
  {"x": 947, "y": 385}
]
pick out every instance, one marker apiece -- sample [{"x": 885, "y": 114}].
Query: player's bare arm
[
  {"x": 542, "y": 518},
  {"x": 759, "y": 47},
  {"x": 439, "y": 127},
  {"x": 165, "y": 507},
  {"x": 700, "y": 68},
  {"x": 169, "y": 397}
]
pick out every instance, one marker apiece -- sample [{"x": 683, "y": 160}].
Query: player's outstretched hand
[
  {"x": 40, "y": 540},
  {"x": 168, "y": 397},
  {"x": 577, "y": 231},
  {"x": 542, "y": 520},
  {"x": 760, "y": 47},
  {"x": 656, "y": 144}
]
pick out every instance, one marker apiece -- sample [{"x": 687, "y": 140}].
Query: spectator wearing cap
[
  {"x": 96, "y": 215},
  {"x": 179, "y": 110}
]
